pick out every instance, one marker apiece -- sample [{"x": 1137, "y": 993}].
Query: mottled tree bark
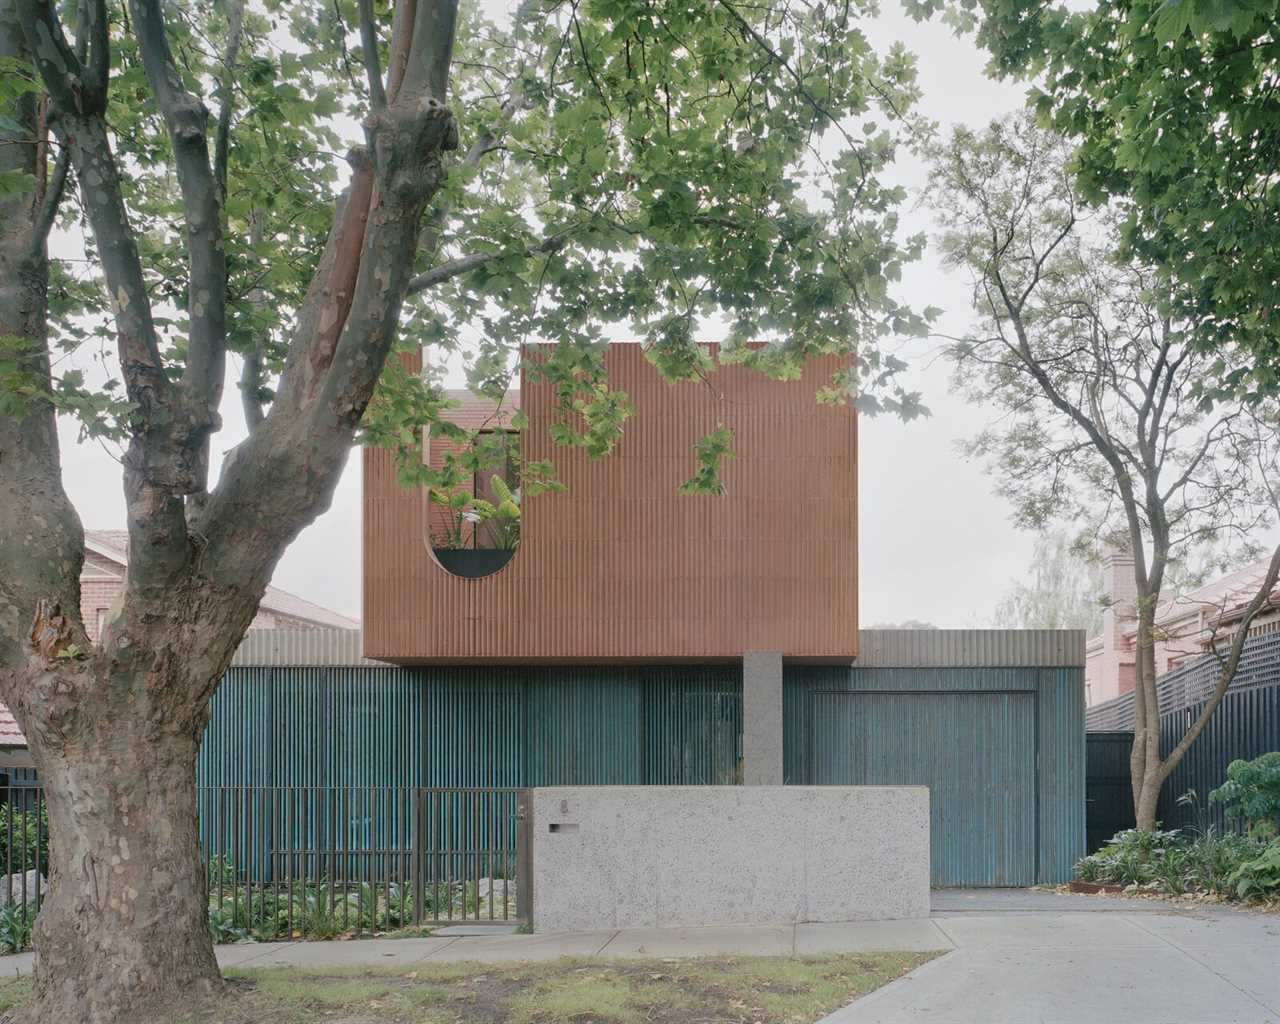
[{"x": 115, "y": 727}]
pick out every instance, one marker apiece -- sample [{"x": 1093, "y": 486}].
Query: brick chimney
[{"x": 1114, "y": 668}]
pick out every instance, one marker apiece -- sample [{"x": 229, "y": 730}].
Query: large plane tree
[{"x": 286, "y": 192}]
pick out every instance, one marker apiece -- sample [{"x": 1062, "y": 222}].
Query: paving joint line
[
  {"x": 453, "y": 941},
  {"x": 1274, "y": 1012},
  {"x": 945, "y": 934},
  {"x": 266, "y": 952},
  {"x": 601, "y": 950}
]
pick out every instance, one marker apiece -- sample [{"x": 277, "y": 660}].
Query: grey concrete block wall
[{"x": 686, "y": 856}]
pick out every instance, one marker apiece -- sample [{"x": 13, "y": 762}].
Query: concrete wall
[
  {"x": 762, "y": 730},
  {"x": 683, "y": 856}
]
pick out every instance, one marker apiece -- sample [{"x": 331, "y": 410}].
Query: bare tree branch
[{"x": 1260, "y": 602}]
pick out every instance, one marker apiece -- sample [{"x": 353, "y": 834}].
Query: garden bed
[
  {"x": 738, "y": 990},
  {"x": 1203, "y": 868}
]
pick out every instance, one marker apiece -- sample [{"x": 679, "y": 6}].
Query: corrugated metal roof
[
  {"x": 301, "y": 647},
  {"x": 970, "y": 648}
]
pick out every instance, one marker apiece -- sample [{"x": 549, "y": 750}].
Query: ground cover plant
[
  {"x": 768, "y": 990},
  {"x": 1202, "y": 860},
  {"x": 304, "y": 910}
]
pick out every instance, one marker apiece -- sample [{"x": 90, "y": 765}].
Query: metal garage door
[{"x": 975, "y": 751}]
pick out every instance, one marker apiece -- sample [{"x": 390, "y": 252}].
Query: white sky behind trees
[{"x": 936, "y": 543}]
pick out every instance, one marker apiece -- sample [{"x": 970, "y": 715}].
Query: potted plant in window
[{"x": 489, "y": 549}]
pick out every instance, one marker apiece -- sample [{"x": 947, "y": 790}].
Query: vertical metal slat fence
[{"x": 312, "y": 861}]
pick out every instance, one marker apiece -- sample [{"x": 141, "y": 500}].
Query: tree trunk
[
  {"x": 125, "y": 924},
  {"x": 1145, "y": 763},
  {"x": 1148, "y": 800}
]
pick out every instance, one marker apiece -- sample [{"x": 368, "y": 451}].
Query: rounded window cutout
[{"x": 472, "y": 563}]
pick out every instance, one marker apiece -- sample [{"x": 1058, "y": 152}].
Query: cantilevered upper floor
[{"x": 619, "y": 566}]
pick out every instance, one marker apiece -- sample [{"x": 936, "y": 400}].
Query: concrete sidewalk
[
  {"x": 1014, "y": 957},
  {"x": 1138, "y": 963},
  {"x": 500, "y": 945}
]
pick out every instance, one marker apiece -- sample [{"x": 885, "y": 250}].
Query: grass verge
[{"x": 727, "y": 990}]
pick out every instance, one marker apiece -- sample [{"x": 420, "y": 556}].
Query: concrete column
[{"x": 762, "y": 718}]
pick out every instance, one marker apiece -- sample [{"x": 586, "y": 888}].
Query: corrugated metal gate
[
  {"x": 1001, "y": 748},
  {"x": 982, "y": 780}
]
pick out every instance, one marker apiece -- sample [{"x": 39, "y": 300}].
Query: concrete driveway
[{"x": 1022, "y": 957}]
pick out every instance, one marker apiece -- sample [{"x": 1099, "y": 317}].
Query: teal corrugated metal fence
[
  {"x": 463, "y": 727},
  {"x": 1001, "y": 748}
]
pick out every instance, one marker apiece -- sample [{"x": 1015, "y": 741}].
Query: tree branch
[
  {"x": 187, "y": 120},
  {"x": 226, "y": 98},
  {"x": 84, "y": 134},
  {"x": 48, "y": 212},
  {"x": 1261, "y": 601},
  {"x": 93, "y": 45},
  {"x": 464, "y": 264},
  {"x": 372, "y": 65}
]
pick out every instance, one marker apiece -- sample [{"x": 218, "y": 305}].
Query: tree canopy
[
  {"x": 1174, "y": 109},
  {"x": 622, "y": 167},
  {"x": 1096, "y": 377}
]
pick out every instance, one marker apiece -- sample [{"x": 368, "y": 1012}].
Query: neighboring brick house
[
  {"x": 106, "y": 553},
  {"x": 1186, "y": 625}
]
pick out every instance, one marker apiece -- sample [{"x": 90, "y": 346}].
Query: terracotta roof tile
[
  {"x": 475, "y": 412},
  {"x": 274, "y": 601},
  {"x": 10, "y": 734}
]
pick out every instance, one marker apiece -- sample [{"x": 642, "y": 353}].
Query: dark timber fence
[
  {"x": 1245, "y": 725},
  {"x": 1107, "y": 786}
]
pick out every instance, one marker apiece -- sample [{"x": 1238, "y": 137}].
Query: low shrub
[
  {"x": 1259, "y": 878},
  {"x": 1251, "y": 794},
  {"x": 224, "y": 927},
  {"x": 1172, "y": 863},
  {"x": 17, "y": 921}
]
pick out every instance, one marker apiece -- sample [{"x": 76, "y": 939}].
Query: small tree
[
  {"x": 1098, "y": 389},
  {"x": 1063, "y": 591}
]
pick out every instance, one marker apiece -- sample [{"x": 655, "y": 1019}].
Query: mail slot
[{"x": 557, "y": 826}]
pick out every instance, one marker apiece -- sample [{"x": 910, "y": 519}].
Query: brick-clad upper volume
[{"x": 620, "y": 567}]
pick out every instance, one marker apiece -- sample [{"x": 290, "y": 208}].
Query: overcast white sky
[{"x": 936, "y": 544}]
